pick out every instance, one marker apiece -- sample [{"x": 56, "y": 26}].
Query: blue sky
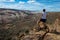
[{"x": 37, "y": 5}]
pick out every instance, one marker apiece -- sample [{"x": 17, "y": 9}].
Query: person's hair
[{"x": 44, "y": 10}]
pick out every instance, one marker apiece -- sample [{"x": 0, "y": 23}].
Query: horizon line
[{"x": 27, "y": 10}]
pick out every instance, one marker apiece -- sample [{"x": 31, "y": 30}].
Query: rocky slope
[{"x": 14, "y": 23}]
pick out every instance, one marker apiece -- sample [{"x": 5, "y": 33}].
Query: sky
[{"x": 33, "y": 5}]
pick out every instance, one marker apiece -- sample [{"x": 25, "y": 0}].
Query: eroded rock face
[
  {"x": 31, "y": 37},
  {"x": 48, "y": 36},
  {"x": 51, "y": 36},
  {"x": 57, "y": 25},
  {"x": 34, "y": 36}
]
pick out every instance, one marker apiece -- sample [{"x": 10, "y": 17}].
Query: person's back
[{"x": 44, "y": 16}]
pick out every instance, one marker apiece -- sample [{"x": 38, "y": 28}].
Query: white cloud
[
  {"x": 31, "y": 1},
  {"x": 2, "y": 0},
  {"x": 12, "y": 6},
  {"x": 11, "y": 0},
  {"x": 29, "y": 5},
  {"x": 21, "y": 2},
  {"x": 34, "y": 2},
  {"x": 22, "y": 5},
  {"x": 7, "y": 0}
]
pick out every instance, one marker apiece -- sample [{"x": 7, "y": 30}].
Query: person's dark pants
[{"x": 43, "y": 20}]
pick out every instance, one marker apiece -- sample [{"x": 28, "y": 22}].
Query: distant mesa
[{"x": 9, "y": 15}]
